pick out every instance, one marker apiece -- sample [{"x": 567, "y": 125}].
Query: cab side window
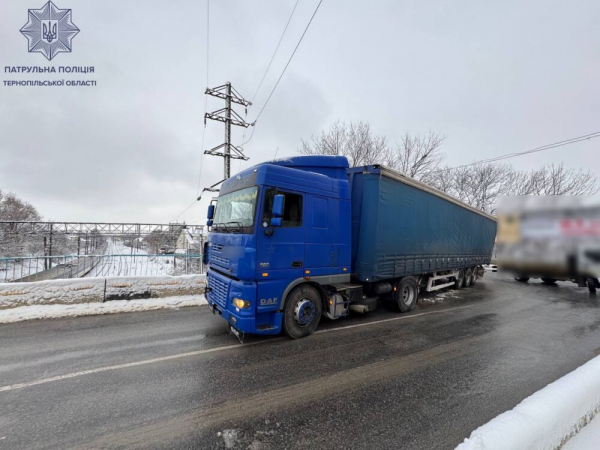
[{"x": 292, "y": 211}]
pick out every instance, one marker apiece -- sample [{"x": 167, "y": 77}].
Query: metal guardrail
[{"x": 39, "y": 268}]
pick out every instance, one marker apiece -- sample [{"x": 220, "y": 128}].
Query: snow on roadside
[
  {"x": 587, "y": 439},
  {"x": 438, "y": 296},
  {"x": 89, "y": 290},
  {"x": 89, "y": 309},
  {"x": 546, "y": 419}
]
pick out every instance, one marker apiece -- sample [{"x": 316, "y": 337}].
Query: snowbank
[
  {"x": 587, "y": 439},
  {"x": 93, "y": 290},
  {"x": 546, "y": 419},
  {"x": 88, "y": 309}
]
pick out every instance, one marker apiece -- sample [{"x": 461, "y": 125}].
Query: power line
[
  {"x": 274, "y": 87},
  {"x": 527, "y": 152},
  {"x": 184, "y": 211},
  {"x": 284, "y": 69},
  {"x": 290, "y": 60},
  {"x": 267, "y": 71},
  {"x": 275, "y": 52}
]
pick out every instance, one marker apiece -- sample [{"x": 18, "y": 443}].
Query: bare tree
[
  {"x": 558, "y": 180},
  {"x": 12, "y": 208},
  {"x": 417, "y": 156},
  {"x": 355, "y": 141},
  {"x": 421, "y": 157},
  {"x": 481, "y": 185}
]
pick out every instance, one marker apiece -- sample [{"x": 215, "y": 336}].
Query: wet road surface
[{"x": 178, "y": 379}]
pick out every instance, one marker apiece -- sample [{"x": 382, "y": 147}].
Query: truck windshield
[{"x": 235, "y": 210}]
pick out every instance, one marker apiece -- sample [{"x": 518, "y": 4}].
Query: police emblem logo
[{"x": 49, "y": 30}]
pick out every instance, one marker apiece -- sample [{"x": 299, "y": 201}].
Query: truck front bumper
[
  {"x": 220, "y": 295},
  {"x": 247, "y": 324}
]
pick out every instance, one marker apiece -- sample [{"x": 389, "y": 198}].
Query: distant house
[{"x": 189, "y": 241}]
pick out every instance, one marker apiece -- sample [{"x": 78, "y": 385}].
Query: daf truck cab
[{"x": 279, "y": 232}]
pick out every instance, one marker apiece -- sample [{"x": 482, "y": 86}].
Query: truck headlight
[{"x": 242, "y": 304}]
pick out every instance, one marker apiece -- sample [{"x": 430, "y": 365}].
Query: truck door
[
  {"x": 322, "y": 230},
  {"x": 284, "y": 249}
]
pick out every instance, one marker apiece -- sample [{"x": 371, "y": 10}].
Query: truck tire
[
  {"x": 548, "y": 281},
  {"x": 522, "y": 279},
  {"x": 302, "y": 312},
  {"x": 460, "y": 279},
  {"x": 474, "y": 278},
  {"x": 591, "y": 284},
  {"x": 404, "y": 298},
  {"x": 468, "y": 277}
]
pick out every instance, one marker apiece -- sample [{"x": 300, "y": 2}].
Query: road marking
[
  {"x": 125, "y": 365},
  {"x": 13, "y": 387}
]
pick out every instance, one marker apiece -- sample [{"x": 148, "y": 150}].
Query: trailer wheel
[
  {"x": 302, "y": 312},
  {"x": 474, "y": 277},
  {"x": 548, "y": 281},
  {"x": 407, "y": 294},
  {"x": 460, "y": 279},
  {"x": 522, "y": 279},
  {"x": 468, "y": 277}
]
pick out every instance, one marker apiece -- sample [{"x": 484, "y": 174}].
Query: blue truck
[{"x": 296, "y": 239}]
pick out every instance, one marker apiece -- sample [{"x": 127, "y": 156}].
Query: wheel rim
[
  {"x": 304, "y": 312},
  {"x": 461, "y": 277},
  {"x": 407, "y": 295}
]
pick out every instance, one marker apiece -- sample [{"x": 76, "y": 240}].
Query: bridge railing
[{"x": 39, "y": 268}]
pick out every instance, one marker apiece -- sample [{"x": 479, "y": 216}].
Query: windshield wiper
[
  {"x": 238, "y": 228},
  {"x": 232, "y": 226}
]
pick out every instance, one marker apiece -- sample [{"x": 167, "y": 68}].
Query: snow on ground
[
  {"x": 587, "y": 439},
  {"x": 89, "y": 309},
  {"x": 438, "y": 296},
  {"x": 546, "y": 419},
  {"x": 89, "y": 290},
  {"x": 126, "y": 261}
]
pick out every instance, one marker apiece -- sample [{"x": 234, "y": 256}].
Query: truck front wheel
[{"x": 302, "y": 312}]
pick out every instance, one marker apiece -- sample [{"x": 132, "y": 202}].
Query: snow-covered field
[
  {"x": 87, "y": 309},
  {"x": 127, "y": 261},
  {"x": 548, "y": 418}
]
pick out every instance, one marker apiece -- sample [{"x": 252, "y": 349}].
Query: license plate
[{"x": 234, "y": 331}]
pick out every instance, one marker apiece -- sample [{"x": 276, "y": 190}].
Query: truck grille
[
  {"x": 218, "y": 292},
  {"x": 216, "y": 255}
]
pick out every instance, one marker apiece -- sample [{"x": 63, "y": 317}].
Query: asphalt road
[{"x": 178, "y": 379}]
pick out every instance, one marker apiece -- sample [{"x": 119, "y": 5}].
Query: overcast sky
[{"x": 494, "y": 77}]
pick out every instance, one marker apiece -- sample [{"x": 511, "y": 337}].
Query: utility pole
[{"x": 229, "y": 117}]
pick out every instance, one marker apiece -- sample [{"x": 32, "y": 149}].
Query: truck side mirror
[
  {"x": 278, "y": 207},
  {"x": 210, "y": 215}
]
